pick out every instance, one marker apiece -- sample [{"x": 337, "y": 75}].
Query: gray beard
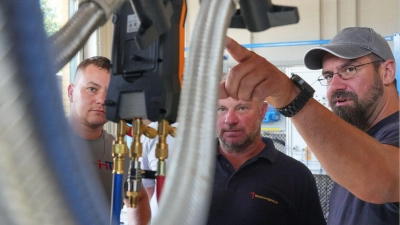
[
  {"x": 239, "y": 147},
  {"x": 357, "y": 115}
]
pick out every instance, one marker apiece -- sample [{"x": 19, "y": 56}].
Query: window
[{"x": 56, "y": 13}]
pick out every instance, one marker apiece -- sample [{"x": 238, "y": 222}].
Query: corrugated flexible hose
[{"x": 190, "y": 174}]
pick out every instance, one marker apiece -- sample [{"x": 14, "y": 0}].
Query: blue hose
[
  {"x": 116, "y": 199},
  {"x": 35, "y": 71}
]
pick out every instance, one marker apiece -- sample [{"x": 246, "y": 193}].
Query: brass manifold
[{"x": 134, "y": 180}]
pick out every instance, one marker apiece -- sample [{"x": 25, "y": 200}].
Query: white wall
[{"x": 319, "y": 19}]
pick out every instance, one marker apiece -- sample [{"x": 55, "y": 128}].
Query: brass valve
[
  {"x": 164, "y": 129},
  {"x": 133, "y": 198},
  {"x": 134, "y": 184},
  {"x": 120, "y": 149},
  {"x": 139, "y": 128},
  {"x": 135, "y": 172}
]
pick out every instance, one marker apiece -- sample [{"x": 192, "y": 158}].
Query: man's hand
[{"x": 255, "y": 78}]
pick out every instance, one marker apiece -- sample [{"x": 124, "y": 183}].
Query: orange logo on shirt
[{"x": 254, "y": 195}]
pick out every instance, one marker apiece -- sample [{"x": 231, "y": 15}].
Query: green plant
[{"x": 51, "y": 24}]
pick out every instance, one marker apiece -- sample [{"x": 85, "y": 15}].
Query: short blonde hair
[{"x": 98, "y": 61}]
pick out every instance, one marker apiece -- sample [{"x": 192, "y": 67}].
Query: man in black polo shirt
[{"x": 255, "y": 183}]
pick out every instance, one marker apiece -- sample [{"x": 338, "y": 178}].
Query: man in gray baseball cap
[
  {"x": 350, "y": 43},
  {"x": 354, "y": 48},
  {"x": 357, "y": 143}
]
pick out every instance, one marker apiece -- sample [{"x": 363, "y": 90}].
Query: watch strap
[{"x": 297, "y": 104}]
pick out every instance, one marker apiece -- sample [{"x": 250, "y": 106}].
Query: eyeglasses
[{"x": 344, "y": 73}]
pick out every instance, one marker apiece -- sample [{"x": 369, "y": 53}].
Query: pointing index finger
[{"x": 238, "y": 52}]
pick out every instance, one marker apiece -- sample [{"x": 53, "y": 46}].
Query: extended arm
[
  {"x": 355, "y": 160},
  {"x": 367, "y": 168}
]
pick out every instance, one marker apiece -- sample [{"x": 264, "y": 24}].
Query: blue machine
[{"x": 272, "y": 115}]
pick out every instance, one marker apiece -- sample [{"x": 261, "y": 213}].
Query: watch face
[{"x": 302, "y": 84}]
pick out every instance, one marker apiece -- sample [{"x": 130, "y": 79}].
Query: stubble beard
[
  {"x": 239, "y": 146},
  {"x": 95, "y": 123}
]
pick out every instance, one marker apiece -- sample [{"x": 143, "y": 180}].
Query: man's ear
[
  {"x": 389, "y": 71},
  {"x": 70, "y": 92},
  {"x": 264, "y": 108}
]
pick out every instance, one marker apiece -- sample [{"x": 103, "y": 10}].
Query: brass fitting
[
  {"x": 133, "y": 198},
  {"x": 161, "y": 168},
  {"x": 120, "y": 149},
  {"x": 149, "y": 131},
  {"x": 133, "y": 192},
  {"x": 139, "y": 128},
  {"x": 135, "y": 180},
  {"x": 164, "y": 129},
  {"x": 136, "y": 146},
  {"x": 134, "y": 183}
]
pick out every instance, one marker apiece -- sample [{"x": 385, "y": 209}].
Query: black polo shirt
[{"x": 270, "y": 188}]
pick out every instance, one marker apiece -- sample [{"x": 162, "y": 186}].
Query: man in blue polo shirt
[{"x": 254, "y": 182}]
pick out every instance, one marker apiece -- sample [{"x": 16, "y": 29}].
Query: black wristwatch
[{"x": 298, "y": 103}]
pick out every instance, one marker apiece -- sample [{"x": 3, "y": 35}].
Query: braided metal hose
[{"x": 73, "y": 35}]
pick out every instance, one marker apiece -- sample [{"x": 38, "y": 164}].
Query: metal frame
[{"x": 300, "y": 43}]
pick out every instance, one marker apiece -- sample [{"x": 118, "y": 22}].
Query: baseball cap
[{"x": 350, "y": 43}]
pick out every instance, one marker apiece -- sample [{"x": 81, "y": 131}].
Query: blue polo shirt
[
  {"x": 345, "y": 208},
  {"x": 270, "y": 188}
]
